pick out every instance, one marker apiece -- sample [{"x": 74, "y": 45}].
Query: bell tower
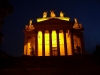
[{"x": 29, "y": 39}]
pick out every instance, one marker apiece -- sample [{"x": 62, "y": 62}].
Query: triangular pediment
[{"x": 53, "y": 20}]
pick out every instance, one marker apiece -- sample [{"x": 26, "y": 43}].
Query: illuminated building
[{"x": 53, "y": 36}]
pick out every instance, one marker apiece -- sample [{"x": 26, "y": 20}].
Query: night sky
[{"x": 86, "y": 11}]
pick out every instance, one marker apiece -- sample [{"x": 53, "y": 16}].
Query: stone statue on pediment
[
  {"x": 61, "y": 14},
  {"x": 80, "y": 25},
  {"x": 44, "y": 14},
  {"x": 30, "y": 22},
  {"x": 75, "y": 20},
  {"x": 52, "y": 14}
]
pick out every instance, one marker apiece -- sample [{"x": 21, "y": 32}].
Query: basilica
[{"x": 53, "y": 36}]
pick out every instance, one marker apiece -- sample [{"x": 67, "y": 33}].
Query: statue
[
  {"x": 44, "y": 14},
  {"x": 61, "y": 14},
  {"x": 26, "y": 27},
  {"x": 52, "y": 14},
  {"x": 30, "y": 22},
  {"x": 78, "y": 49},
  {"x": 80, "y": 25},
  {"x": 32, "y": 52},
  {"x": 75, "y": 20}
]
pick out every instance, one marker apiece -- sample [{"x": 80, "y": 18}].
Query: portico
[{"x": 52, "y": 37}]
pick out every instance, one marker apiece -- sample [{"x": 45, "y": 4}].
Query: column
[
  {"x": 65, "y": 42},
  {"x": 79, "y": 41},
  {"x": 36, "y": 43},
  {"x": 72, "y": 41},
  {"x": 43, "y": 43},
  {"x": 50, "y": 42},
  {"x": 25, "y": 44},
  {"x": 58, "y": 46}
]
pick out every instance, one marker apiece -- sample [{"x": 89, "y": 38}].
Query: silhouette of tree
[
  {"x": 5, "y": 9},
  {"x": 97, "y": 50}
]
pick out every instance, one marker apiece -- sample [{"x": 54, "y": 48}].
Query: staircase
[{"x": 56, "y": 65}]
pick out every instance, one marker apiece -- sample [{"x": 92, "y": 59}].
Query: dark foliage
[
  {"x": 97, "y": 50},
  {"x": 5, "y": 9}
]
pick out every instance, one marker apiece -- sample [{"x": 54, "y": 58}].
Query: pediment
[{"x": 53, "y": 21}]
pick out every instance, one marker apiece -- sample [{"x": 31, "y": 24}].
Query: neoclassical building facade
[{"x": 53, "y": 36}]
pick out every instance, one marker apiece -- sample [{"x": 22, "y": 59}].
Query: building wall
[
  {"x": 69, "y": 47},
  {"x": 77, "y": 42},
  {"x": 30, "y": 42}
]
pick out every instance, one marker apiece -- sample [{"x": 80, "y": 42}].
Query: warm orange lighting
[
  {"x": 47, "y": 51},
  {"x": 61, "y": 18},
  {"x": 69, "y": 48},
  {"x": 47, "y": 43},
  {"x": 61, "y": 42},
  {"x": 54, "y": 39},
  {"x": 39, "y": 43},
  {"x": 25, "y": 50}
]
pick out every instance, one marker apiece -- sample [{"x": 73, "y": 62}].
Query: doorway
[{"x": 54, "y": 51}]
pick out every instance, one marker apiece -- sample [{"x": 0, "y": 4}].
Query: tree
[
  {"x": 97, "y": 50},
  {"x": 5, "y": 9}
]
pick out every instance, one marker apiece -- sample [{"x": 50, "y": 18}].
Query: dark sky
[{"x": 86, "y": 11}]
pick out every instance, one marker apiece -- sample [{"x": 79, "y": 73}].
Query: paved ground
[
  {"x": 78, "y": 65},
  {"x": 83, "y": 70}
]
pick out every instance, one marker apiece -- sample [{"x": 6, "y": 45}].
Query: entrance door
[{"x": 54, "y": 51}]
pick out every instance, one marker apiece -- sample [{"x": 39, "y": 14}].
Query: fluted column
[
  {"x": 43, "y": 43},
  {"x": 50, "y": 42},
  {"x": 65, "y": 42},
  {"x": 58, "y": 46},
  {"x": 36, "y": 43},
  {"x": 72, "y": 41}
]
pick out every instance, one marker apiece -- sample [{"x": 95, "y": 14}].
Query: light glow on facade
[
  {"x": 54, "y": 37},
  {"x": 54, "y": 43},
  {"x": 61, "y": 18},
  {"x": 39, "y": 43}
]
